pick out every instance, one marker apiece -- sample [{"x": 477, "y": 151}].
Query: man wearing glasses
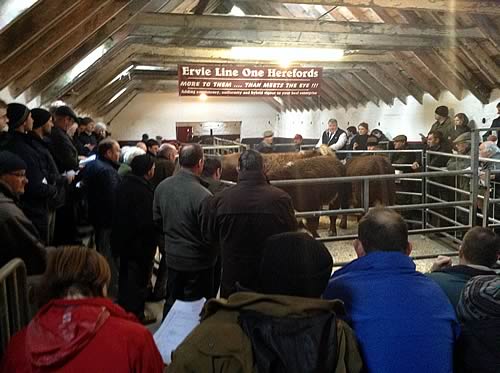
[{"x": 18, "y": 236}]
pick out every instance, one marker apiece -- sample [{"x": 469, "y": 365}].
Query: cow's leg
[
  {"x": 343, "y": 222},
  {"x": 312, "y": 225},
  {"x": 332, "y": 231}
]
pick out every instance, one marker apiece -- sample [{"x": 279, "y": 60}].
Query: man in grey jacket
[
  {"x": 18, "y": 236},
  {"x": 176, "y": 206}
]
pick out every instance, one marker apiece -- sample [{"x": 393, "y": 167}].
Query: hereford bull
[
  {"x": 306, "y": 165},
  {"x": 382, "y": 192}
]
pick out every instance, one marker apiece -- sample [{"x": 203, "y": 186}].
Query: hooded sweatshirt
[{"x": 82, "y": 335}]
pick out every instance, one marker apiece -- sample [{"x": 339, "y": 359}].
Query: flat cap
[
  {"x": 268, "y": 133},
  {"x": 66, "y": 111},
  {"x": 464, "y": 137},
  {"x": 400, "y": 138}
]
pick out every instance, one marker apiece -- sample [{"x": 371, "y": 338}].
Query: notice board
[{"x": 248, "y": 81}]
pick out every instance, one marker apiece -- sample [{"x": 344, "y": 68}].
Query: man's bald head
[
  {"x": 167, "y": 151},
  {"x": 383, "y": 229}
]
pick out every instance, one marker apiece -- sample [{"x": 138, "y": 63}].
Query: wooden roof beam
[
  {"x": 451, "y": 60},
  {"x": 30, "y": 25},
  {"x": 287, "y": 25},
  {"x": 348, "y": 87},
  {"x": 412, "y": 87},
  {"x": 482, "y": 61},
  {"x": 375, "y": 86},
  {"x": 386, "y": 80},
  {"x": 22, "y": 59},
  {"x": 362, "y": 88},
  {"x": 114, "y": 29},
  {"x": 417, "y": 75},
  {"x": 441, "y": 72},
  {"x": 466, "y": 6},
  {"x": 327, "y": 89},
  {"x": 49, "y": 59},
  {"x": 340, "y": 92}
]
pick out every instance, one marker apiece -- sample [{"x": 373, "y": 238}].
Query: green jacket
[
  {"x": 446, "y": 128},
  {"x": 220, "y": 345}
]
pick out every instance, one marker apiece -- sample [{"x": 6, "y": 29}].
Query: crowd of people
[{"x": 280, "y": 308}]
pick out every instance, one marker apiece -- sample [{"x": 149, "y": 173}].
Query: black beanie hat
[
  {"x": 17, "y": 114},
  {"x": 442, "y": 111},
  {"x": 40, "y": 117},
  {"x": 295, "y": 264},
  {"x": 141, "y": 164},
  {"x": 480, "y": 299},
  {"x": 10, "y": 162}
]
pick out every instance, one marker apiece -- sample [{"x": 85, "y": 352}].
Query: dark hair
[
  {"x": 383, "y": 229},
  {"x": 190, "y": 155},
  {"x": 85, "y": 121},
  {"x": 352, "y": 130},
  {"x": 251, "y": 160},
  {"x": 211, "y": 165},
  {"x": 3, "y": 104},
  {"x": 145, "y": 136},
  {"x": 104, "y": 146},
  {"x": 152, "y": 142},
  {"x": 438, "y": 135},
  {"x": 73, "y": 270},
  {"x": 463, "y": 118},
  {"x": 295, "y": 264},
  {"x": 481, "y": 246},
  {"x": 364, "y": 125}
]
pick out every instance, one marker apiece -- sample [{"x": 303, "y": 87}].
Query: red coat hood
[{"x": 63, "y": 327}]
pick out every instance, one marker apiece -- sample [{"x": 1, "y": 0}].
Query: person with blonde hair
[{"x": 78, "y": 329}]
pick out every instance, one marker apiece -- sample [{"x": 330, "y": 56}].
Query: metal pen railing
[{"x": 14, "y": 303}]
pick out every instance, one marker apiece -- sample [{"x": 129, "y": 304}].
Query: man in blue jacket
[{"x": 403, "y": 320}]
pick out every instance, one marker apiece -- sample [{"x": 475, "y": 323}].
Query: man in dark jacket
[
  {"x": 101, "y": 181},
  {"x": 18, "y": 236},
  {"x": 42, "y": 126},
  {"x": 38, "y": 191},
  {"x": 266, "y": 145},
  {"x": 63, "y": 149},
  {"x": 240, "y": 218},
  {"x": 85, "y": 140},
  {"x": 261, "y": 331},
  {"x": 176, "y": 208},
  {"x": 479, "y": 314},
  {"x": 134, "y": 236},
  {"x": 212, "y": 172},
  {"x": 164, "y": 163},
  {"x": 477, "y": 255},
  {"x": 442, "y": 124},
  {"x": 66, "y": 157}
]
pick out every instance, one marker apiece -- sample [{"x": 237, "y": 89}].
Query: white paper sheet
[{"x": 182, "y": 318}]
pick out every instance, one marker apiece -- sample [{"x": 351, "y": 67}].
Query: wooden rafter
[
  {"x": 73, "y": 40},
  {"x": 27, "y": 28},
  {"x": 472, "y": 6},
  {"x": 373, "y": 84},
  {"x": 387, "y": 81},
  {"x": 349, "y": 32},
  {"x": 23, "y": 58}
]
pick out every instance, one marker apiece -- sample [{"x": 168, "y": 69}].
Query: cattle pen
[{"x": 438, "y": 207}]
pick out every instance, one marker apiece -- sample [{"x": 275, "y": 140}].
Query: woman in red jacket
[{"x": 79, "y": 329}]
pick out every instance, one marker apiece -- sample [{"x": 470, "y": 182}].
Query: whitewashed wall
[
  {"x": 6, "y": 96},
  {"x": 410, "y": 119},
  {"x": 157, "y": 113}
]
